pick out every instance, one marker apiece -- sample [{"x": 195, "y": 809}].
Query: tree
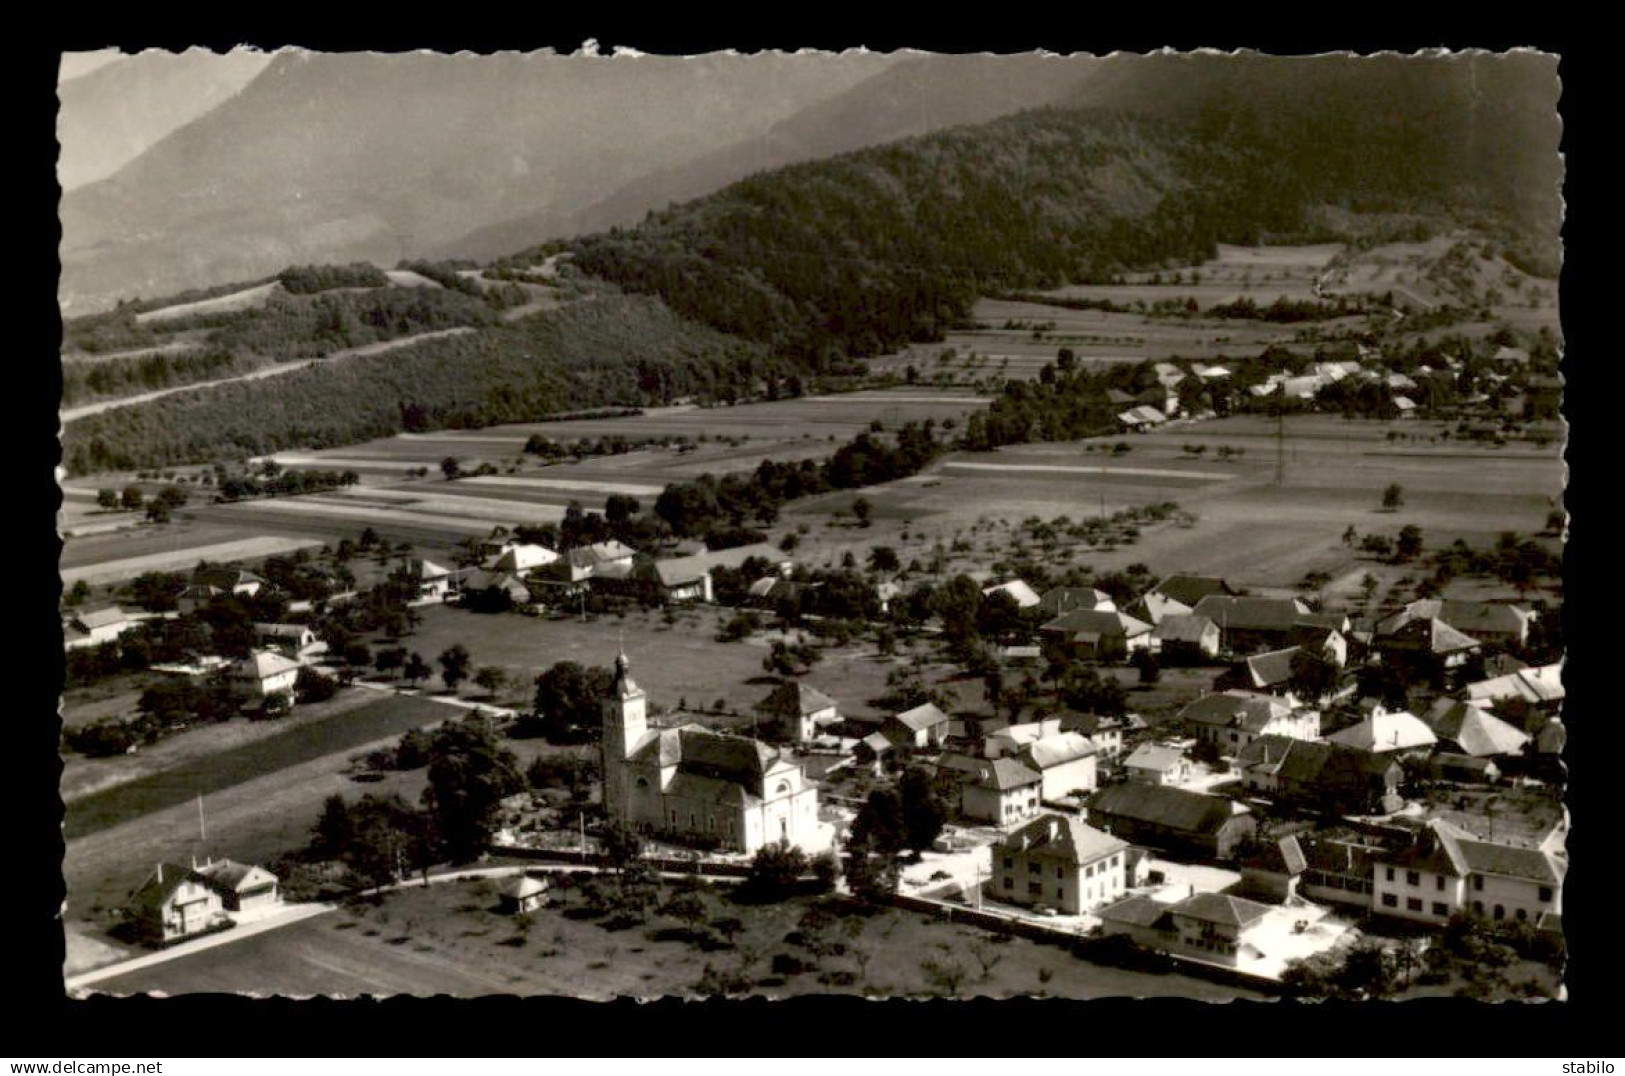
[
  {"x": 861, "y": 510},
  {"x": 158, "y": 512},
  {"x": 924, "y": 808},
  {"x": 945, "y": 973},
  {"x": 454, "y": 662},
  {"x": 879, "y": 824},
  {"x": 1311, "y": 677},
  {"x": 107, "y": 499},
  {"x": 132, "y": 499},
  {"x": 470, "y": 773},
  {"x": 1146, "y": 662},
  {"x": 883, "y": 559},
  {"x": 688, "y": 907},
  {"x": 78, "y": 592},
  {"x": 1349, "y": 536},
  {"x": 1408, "y": 543},
  {"x": 451, "y": 468},
  {"x": 1393, "y": 497},
  {"x": 416, "y": 670},
  {"x": 622, "y": 845},
  {"x": 389, "y": 659},
  {"x": 490, "y": 678},
  {"x": 331, "y": 837},
  {"x": 380, "y": 838},
  {"x": 311, "y": 686},
  {"x": 775, "y": 871}
]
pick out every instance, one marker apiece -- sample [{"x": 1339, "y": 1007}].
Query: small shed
[{"x": 522, "y": 894}]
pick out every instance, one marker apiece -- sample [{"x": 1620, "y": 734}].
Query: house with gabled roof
[
  {"x": 1488, "y": 622},
  {"x": 1326, "y": 777},
  {"x": 1004, "y": 791},
  {"x": 1470, "y": 728},
  {"x": 921, "y": 727},
  {"x": 1540, "y": 687},
  {"x": 517, "y": 558},
  {"x": 1270, "y": 673},
  {"x": 1185, "y": 638},
  {"x": 1427, "y": 646},
  {"x": 244, "y": 888},
  {"x": 1058, "y": 601},
  {"x": 1448, "y": 870},
  {"x": 1188, "y": 590},
  {"x": 1248, "y": 623},
  {"x": 434, "y": 581},
  {"x": 1215, "y": 928},
  {"x": 175, "y": 903},
  {"x": 1158, "y": 764},
  {"x": 95, "y": 627},
  {"x": 1273, "y": 870},
  {"x": 296, "y": 641},
  {"x": 1065, "y": 762},
  {"x": 1233, "y": 719},
  {"x": 1384, "y": 731},
  {"x": 1060, "y": 862},
  {"x": 1093, "y": 635},
  {"x": 1172, "y": 820},
  {"x": 263, "y": 674},
  {"x": 797, "y": 710}
]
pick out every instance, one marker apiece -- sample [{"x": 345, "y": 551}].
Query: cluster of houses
[{"x": 532, "y": 574}]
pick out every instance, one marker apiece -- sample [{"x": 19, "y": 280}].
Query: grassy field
[
  {"x": 111, "y": 558},
  {"x": 675, "y": 663},
  {"x": 450, "y": 939},
  {"x": 1248, "y": 529}
]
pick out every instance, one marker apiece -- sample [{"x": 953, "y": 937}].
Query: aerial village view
[{"x": 1039, "y": 544}]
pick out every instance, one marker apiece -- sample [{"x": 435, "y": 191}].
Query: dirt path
[{"x": 72, "y": 413}]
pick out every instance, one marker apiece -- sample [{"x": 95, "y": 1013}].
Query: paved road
[{"x": 71, "y": 413}]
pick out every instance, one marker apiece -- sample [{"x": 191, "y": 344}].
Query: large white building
[{"x": 691, "y": 783}]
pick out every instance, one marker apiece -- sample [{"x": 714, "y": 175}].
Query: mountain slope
[
  {"x": 918, "y": 94},
  {"x": 363, "y": 156},
  {"x": 1466, "y": 128},
  {"x": 114, "y": 113}
]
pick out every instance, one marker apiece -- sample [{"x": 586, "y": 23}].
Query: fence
[{"x": 598, "y": 859}]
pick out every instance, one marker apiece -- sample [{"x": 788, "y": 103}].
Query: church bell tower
[{"x": 625, "y": 713}]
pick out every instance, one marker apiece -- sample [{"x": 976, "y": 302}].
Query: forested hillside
[
  {"x": 608, "y": 350},
  {"x": 862, "y": 253}
]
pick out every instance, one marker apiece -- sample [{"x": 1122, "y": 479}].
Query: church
[{"x": 691, "y": 783}]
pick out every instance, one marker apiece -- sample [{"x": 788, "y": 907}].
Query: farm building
[
  {"x": 95, "y": 627},
  {"x": 1488, "y": 622},
  {"x": 1060, "y": 862},
  {"x": 517, "y": 558},
  {"x": 1058, "y": 601},
  {"x": 477, "y": 583},
  {"x": 1184, "y": 638},
  {"x": 1426, "y": 647},
  {"x": 1172, "y": 820},
  {"x": 1251, "y": 624},
  {"x": 1091, "y": 635},
  {"x": 923, "y": 726},
  {"x": 235, "y": 581},
  {"x": 434, "y": 581},
  {"x": 1273, "y": 871},
  {"x": 1321, "y": 776}
]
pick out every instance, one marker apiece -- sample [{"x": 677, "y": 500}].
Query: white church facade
[{"x": 692, "y": 783}]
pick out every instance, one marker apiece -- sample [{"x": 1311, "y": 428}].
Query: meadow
[{"x": 449, "y": 938}]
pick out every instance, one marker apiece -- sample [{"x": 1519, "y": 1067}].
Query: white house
[
  {"x": 1448, "y": 870},
  {"x": 1059, "y": 862},
  {"x": 174, "y": 903},
  {"x": 244, "y": 888},
  {"x": 262, "y": 674},
  {"x": 1003, "y": 792},
  {"x": 1158, "y": 764}
]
